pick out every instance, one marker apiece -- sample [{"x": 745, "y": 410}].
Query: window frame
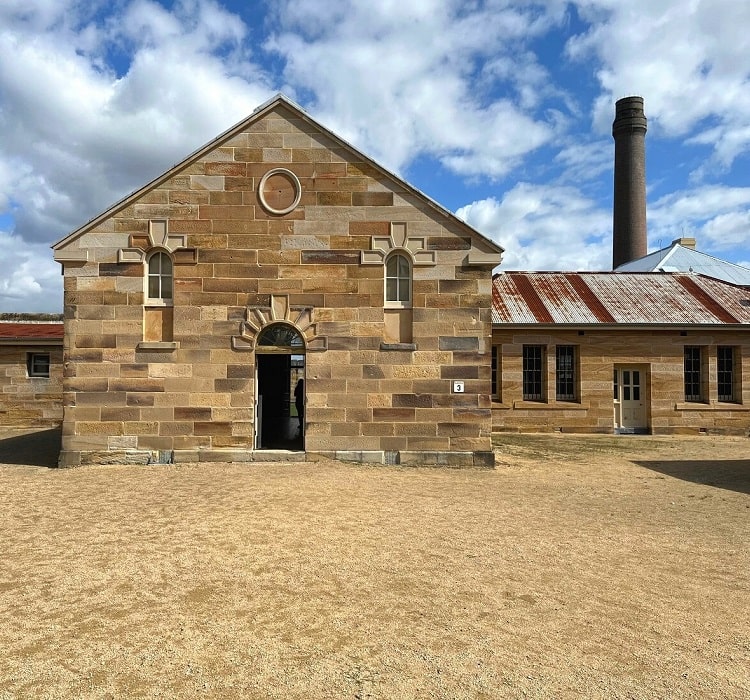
[
  {"x": 400, "y": 280},
  {"x": 566, "y": 375},
  {"x": 160, "y": 276},
  {"x": 495, "y": 372},
  {"x": 533, "y": 372},
  {"x": 694, "y": 373},
  {"x": 32, "y": 369},
  {"x": 726, "y": 377}
]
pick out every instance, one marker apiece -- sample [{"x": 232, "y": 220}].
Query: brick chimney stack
[{"x": 629, "y": 216}]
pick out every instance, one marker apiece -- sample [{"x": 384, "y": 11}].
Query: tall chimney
[{"x": 629, "y": 218}]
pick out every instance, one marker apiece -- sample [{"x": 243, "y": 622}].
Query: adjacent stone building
[
  {"x": 603, "y": 352},
  {"x": 31, "y": 369},
  {"x": 277, "y": 252}
]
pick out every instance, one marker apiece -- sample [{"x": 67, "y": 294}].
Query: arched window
[
  {"x": 398, "y": 280},
  {"x": 159, "y": 277},
  {"x": 280, "y": 335}
]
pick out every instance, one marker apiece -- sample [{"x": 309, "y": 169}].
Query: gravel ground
[{"x": 597, "y": 567}]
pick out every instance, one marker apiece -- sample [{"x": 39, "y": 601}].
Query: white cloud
[
  {"x": 408, "y": 79},
  {"x": 718, "y": 217},
  {"x": 688, "y": 59},
  {"x": 30, "y": 279},
  {"x": 545, "y": 228},
  {"x": 81, "y": 136}
]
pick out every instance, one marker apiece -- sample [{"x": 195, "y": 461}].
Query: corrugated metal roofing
[
  {"x": 679, "y": 258},
  {"x": 613, "y": 298},
  {"x": 32, "y": 331}
]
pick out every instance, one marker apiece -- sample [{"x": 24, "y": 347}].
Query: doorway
[
  {"x": 279, "y": 389},
  {"x": 630, "y": 400}
]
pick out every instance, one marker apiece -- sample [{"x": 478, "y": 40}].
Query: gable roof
[
  {"x": 679, "y": 258},
  {"x": 613, "y": 299},
  {"x": 279, "y": 100}
]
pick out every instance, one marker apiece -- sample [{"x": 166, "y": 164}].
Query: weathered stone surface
[{"x": 247, "y": 268}]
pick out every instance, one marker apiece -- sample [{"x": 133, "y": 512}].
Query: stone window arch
[
  {"x": 159, "y": 277},
  {"x": 398, "y": 279}
]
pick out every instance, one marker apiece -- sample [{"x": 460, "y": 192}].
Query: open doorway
[{"x": 280, "y": 392}]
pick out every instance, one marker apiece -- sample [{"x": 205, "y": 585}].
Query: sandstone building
[
  {"x": 31, "y": 350},
  {"x": 274, "y": 252},
  {"x": 620, "y": 352}
]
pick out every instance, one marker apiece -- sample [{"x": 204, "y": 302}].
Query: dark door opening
[{"x": 278, "y": 425}]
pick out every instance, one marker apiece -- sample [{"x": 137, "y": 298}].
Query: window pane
[
  {"x": 154, "y": 264},
  {"x": 725, "y": 373},
  {"x": 494, "y": 363},
  {"x": 403, "y": 290},
  {"x": 626, "y": 392},
  {"x": 693, "y": 373},
  {"x": 38, "y": 365},
  {"x": 403, "y": 266},
  {"x": 166, "y": 264},
  {"x": 166, "y": 287},
  {"x": 391, "y": 266},
  {"x": 532, "y": 372},
  {"x": 153, "y": 287},
  {"x": 565, "y": 373},
  {"x": 280, "y": 335},
  {"x": 391, "y": 290}
]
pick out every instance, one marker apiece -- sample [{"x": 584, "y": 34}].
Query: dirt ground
[{"x": 595, "y": 567}]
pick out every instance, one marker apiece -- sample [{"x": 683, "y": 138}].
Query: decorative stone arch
[
  {"x": 158, "y": 238},
  {"x": 258, "y": 318},
  {"x": 414, "y": 246}
]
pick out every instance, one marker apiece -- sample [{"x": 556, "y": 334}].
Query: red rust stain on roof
[
  {"x": 706, "y": 299},
  {"x": 589, "y": 298},
  {"x": 524, "y": 286}
]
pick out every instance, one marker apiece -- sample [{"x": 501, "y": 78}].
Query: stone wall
[
  {"x": 237, "y": 268},
  {"x": 30, "y": 401},
  {"x": 659, "y": 356}
]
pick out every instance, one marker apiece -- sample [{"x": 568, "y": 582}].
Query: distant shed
[{"x": 31, "y": 370}]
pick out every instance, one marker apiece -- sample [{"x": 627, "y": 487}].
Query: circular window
[{"x": 279, "y": 191}]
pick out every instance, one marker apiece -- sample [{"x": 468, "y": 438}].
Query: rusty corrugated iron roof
[
  {"x": 617, "y": 298},
  {"x": 31, "y": 331}
]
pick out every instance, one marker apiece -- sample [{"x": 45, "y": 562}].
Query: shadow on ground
[
  {"x": 731, "y": 474},
  {"x": 37, "y": 449}
]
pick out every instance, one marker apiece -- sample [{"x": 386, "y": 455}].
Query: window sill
[
  {"x": 710, "y": 406},
  {"x": 551, "y": 405},
  {"x": 159, "y": 346},
  {"x": 158, "y": 303},
  {"x": 402, "y": 347}
]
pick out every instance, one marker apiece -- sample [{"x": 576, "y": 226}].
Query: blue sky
[{"x": 500, "y": 110}]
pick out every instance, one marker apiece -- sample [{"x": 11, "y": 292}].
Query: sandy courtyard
[{"x": 598, "y": 567}]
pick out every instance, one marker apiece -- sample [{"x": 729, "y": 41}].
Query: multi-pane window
[
  {"x": 495, "y": 366},
  {"x": 160, "y": 277},
  {"x": 37, "y": 364},
  {"x": 565, "y": 373},
  {"x": 398, "y": 280},
  {"x": 693, "y": 373},
  {"x": 533, "y": 357},
  {"x": 725, "y": 373}
]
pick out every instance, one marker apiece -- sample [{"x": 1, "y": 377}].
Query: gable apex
[{"x": 492, "y": 251}]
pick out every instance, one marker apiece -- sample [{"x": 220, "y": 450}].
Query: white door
[{"x": 630, "y": 406}]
